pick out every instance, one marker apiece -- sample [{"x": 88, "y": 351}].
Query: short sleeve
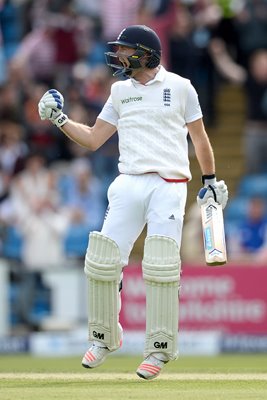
[
  {"x": 108, "y": 113},
  {"x": 192, "y": 107}
]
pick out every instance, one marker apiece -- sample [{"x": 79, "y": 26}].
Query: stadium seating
[
  {"x": 76, "y": 241},
  {"x": 253, "y": 185},
  {"x": 12, "y": 243},
  {"x": 236, "y": 209}
]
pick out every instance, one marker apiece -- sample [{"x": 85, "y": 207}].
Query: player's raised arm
[{"x": 51, "y": 107}]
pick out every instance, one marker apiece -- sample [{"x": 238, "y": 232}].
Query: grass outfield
[{"x": 235, "y": 377}]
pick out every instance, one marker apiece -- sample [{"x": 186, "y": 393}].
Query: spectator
[
  {"x": 39, "y": 216},
  {"x": 239, "y": 50},
  {"x": 160, "y": 16},
  {"x": 189, "y": 54},
  {"x": 251, "y": 235},
  {"x": 255, "y": 132},
  {"x": 116, "y": 14},
  {"x": 33, "y": 213},
  {"x": 84, "y": 200},
  {"x": 10, "y": 102},
  {"x": 71, "y": 32},
  {"x": 13, "y": 148},
  {"x": 11, "y": 25},
  {"x": 35, "y": 58}
]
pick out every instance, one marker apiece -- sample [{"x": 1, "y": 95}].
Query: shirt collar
[{"x": 159, "y": 77}]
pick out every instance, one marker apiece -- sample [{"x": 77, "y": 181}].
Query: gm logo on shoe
[
  {"x": 162, "y": 345},
  {"x": 98, "y": 335}
]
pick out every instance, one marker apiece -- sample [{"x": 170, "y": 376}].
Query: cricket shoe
[
  {"x": 97, "y": 353},
  {"x": 150, "y": 367},
  {"x": 95, "y": 356}
]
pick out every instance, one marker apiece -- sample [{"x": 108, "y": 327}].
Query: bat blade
[{"x": 213, "y": 233}]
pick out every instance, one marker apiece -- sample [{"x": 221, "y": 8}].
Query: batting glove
[
  {"x": 50, "y": 107},
  {"x": 217, "y": 190}
]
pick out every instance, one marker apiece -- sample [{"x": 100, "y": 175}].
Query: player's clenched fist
[
  {"x": 50, "y": 107},
  {"x": 217, "y": 190}
]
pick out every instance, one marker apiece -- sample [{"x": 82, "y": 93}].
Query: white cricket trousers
[{"x": 137, "y": 200}]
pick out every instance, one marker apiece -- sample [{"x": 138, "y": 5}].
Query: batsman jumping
[{"x": 153, "y": 111}]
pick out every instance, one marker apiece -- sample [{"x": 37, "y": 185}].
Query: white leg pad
[
  {"x": 103, "y": 268},
  {"x": 161, "y": 271}
]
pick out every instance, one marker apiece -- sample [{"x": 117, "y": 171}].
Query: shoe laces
[
  {"x": 99, "y": 351},
  {"x": 155, "y": 361}
]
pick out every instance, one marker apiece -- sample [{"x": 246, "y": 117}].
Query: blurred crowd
[{"x": 52, "y": 192}]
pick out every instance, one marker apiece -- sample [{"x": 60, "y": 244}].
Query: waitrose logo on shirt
[{"x": 131, "y": 99}]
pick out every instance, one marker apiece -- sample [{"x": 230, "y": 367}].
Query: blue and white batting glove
[
  {"x": 50, "y": 107},
  {"x": 217, "y": 190}
]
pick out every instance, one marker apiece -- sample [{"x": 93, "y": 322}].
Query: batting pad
[
  {"x": 103, "y": 269},
  {"x": 161, "y": 271}
]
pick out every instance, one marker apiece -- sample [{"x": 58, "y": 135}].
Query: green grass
[
  {"x": 189, "y": 378},
  {"x": 245, "y": 363}
]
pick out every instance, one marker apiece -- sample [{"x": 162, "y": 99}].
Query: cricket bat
[{"x": 213, "y": 233}]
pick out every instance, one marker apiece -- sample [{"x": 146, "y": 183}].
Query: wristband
[
  {"x": 60, "y": 120},
  {"x": 208, "y": 179}
]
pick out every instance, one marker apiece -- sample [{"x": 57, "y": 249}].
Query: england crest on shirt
[{"x": 167, "y": 97}]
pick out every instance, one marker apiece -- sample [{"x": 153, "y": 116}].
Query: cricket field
[{"x": 231, "y": 377}]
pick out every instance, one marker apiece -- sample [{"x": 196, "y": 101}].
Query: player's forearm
[
  {"x": 203, "y": 149},
  {"x": 50, "y": 107},
  {"x": 205, "y": 157},
  {"x": 204, "y": 152},
  {"x": 80, "y": 134}
]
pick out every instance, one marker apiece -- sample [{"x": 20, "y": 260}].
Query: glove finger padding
[
  {"x": 41, "y": 110},
  {"x": 56, "y": 100},
  {"x": 218, "y": 191},
  {"x": 51, "y": 104}
]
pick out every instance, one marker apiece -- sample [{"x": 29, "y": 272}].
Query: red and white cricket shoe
[
  {"x": 97, "y": 353},
  {"x": 95, "y": 356},
  {"x": 150, "y": 367}
]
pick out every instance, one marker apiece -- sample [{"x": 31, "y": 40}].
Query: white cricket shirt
[{"x": 151, "y": 122}]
